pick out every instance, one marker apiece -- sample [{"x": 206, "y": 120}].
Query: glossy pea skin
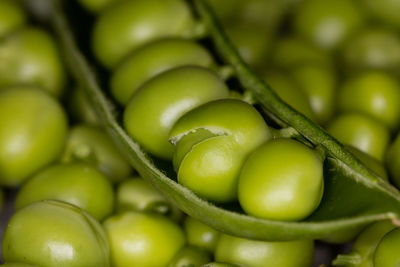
[
  {"x": 327, "y": 23},
  {"x": 53, "y": 233},
  {"x": 127, "y": 25},
  {"x": 92, "y": 145},
  {"x": 377, "y": 95},
  {"x": 30, "y": 56},
  {"x": 281, "y": 180},
  {"x": 210, "y": 164},
  {"x": 200, "y": 235},
  {"x": 12, "y": 16},
  {"x": 96, "y": 6},
  {"x": 153, "y": 59},
  {"x": 362, "y": 132},
  {"x": 190, "y": 256},
  {"x": 76, "y": 183},
  {"x": 17, "y": 264},
  {"x": 142, "y": 240},
  {"x": 33, "y": 130},
  {"x": 251, "y": 253},
  {"x": 159, "y": 103},
  {"x": 290, "y": 92},
  {"x": 386, "y": 253},
  {"x": 372, "y": 48},
  {"x": 392, "y": 159}
]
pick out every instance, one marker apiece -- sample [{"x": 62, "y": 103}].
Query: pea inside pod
[{"x": 12, "y": 16}]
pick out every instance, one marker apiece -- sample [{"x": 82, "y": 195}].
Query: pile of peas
[{"x": 78, "y": 202}]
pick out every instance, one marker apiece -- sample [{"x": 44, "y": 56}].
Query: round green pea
[
  {"x": 190, "y": 256},
  {"x": 17, "y": 264},
  {"x": 127, "y": 25},
  {"x": 96, "y": 6},
  {"x": 12, "y": 16},
  {"x": 377, "y": 94},
  {"x": 92, "y": 145},
  {"x": 142, "y": 240},
  {"x": 52, "y": 233},
  {"x": 392, "y": 159},
  {"x": 386, "y": 253},
  {"x": 327, "y": 23},
  {"x": 76, "y": 183},
  {"x": 210, "y": 164},
  {"x": 362, "y": 132},
  {"x": 33, "y": 129},
  {"x": 281, "y": 180},
  {"x": 200, "y": 235},
  {"x": 153, "y": 59},
  {"x": 251, "y": 253},
  {"x": 160, "y": 102},
  {"x": 30, "y": 56}
]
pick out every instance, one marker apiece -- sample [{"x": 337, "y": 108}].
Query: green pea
[
  {"x": 53, "y": 233},
  {"x": 362, "y": 132},
  {"x": 159, "y": 103},
  {"x": 81, "y": 109},
  {"x": 281, "y": 180},
  {"x": 328, "y": 23},
  {"x": 386, "y": 253},
  {"x": 153, "y": 59},
  {"x": 319, "y": 84},
  {"x": 251, "y": 253},
  {"x": 377, "y": 94},
  {"x": 12, "y": 16},
  {"x": 33, "y": 130},
  {"x": 129, "y": 24},
  {"x": 387, "y": 11},
  {"x": 140, "y": 239},
  {"x": 17, "y": 264},
  {"x": 30, "y": 56},
  {"x": 393, "y": 161},
  {"x": 91, "y": 144},
  {"x": 290, "y": 92},
  {"x": 373, "y": 48},
  {"x": 209, "y": 165},
  {"x": 96, "y": 6},
  {"x": 75, "y": 183},
  {"x": 190, "y": 256},
  {"x": 200, "y": 235}
]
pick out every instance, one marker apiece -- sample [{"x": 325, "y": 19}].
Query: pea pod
[{"x": 345, "y": 176}]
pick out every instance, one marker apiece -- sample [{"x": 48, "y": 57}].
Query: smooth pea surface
[
  {"x": 33, "y": 130},
  {"x": 76, "y": 183},
  {"x": 210, "y": 165},
  {"x": 190, "y": 256},
  {"x": 163, "y": 100},
  {"x": 362, "y": 132},
  {"x": 30, "y": 56},
  {"x": 96, "y": 6},
  {"x": 376, "y": 94},
  {"x": 12, "y": 16},
  {"x": 386, "y": 254},
  {"x": 153, "y": 59},
  {"x": 91, "y": 144},
  {"x": 200, "y": 235},
  {"x": 52, "y": 233},
  {"x": 142, "y": 240},
  {"x": 281, "y": 180},
  {"x": 129, "y": 24},
  {"x": 392, "y": 159},
  {"x": 251, "y": 253}
]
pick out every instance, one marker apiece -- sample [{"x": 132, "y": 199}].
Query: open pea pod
[{"x": 353, "y": 195}]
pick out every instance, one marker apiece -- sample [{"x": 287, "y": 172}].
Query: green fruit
[
  {"x": 81, "y": 109},
  {"x": 33, "y": 130},
  {"x": 281, "y": 180},
  {"x": 142, "y": 240},
  {"x": 190, "y": 256},
  {"x": 328, "y": 23},
  {"x": 75, "y": 183},
  {"x": 377, "y": 94},
  {"x": 386, "y": 253},
  {"x": 30, "y": 57},
  {"x": 362, "y": 132},
  {"x": 53, "y": 233},
  {"x": 127, "y": 25},
  {"x": 213, "y": 142},
  {"x": 251, "y": 253},
  {"x": 153, "y": 59},
  {"x": 12, "y": 16},
  {"x": 158, "y": 104},
  {"x": 200, "y": 235},
  {"x": 16, "y": 264},
  {"x": 96, "y": 6},
  {"x": 386, "y": 11},
  {"x": 393, "y": 161},
  {"x": 92, "y": 145}
]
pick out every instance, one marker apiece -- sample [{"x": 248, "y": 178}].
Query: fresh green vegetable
[{"x": 200, "y": 235}]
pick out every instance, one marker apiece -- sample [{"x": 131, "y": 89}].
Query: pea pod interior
[{"x": 353, "y": 195}]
